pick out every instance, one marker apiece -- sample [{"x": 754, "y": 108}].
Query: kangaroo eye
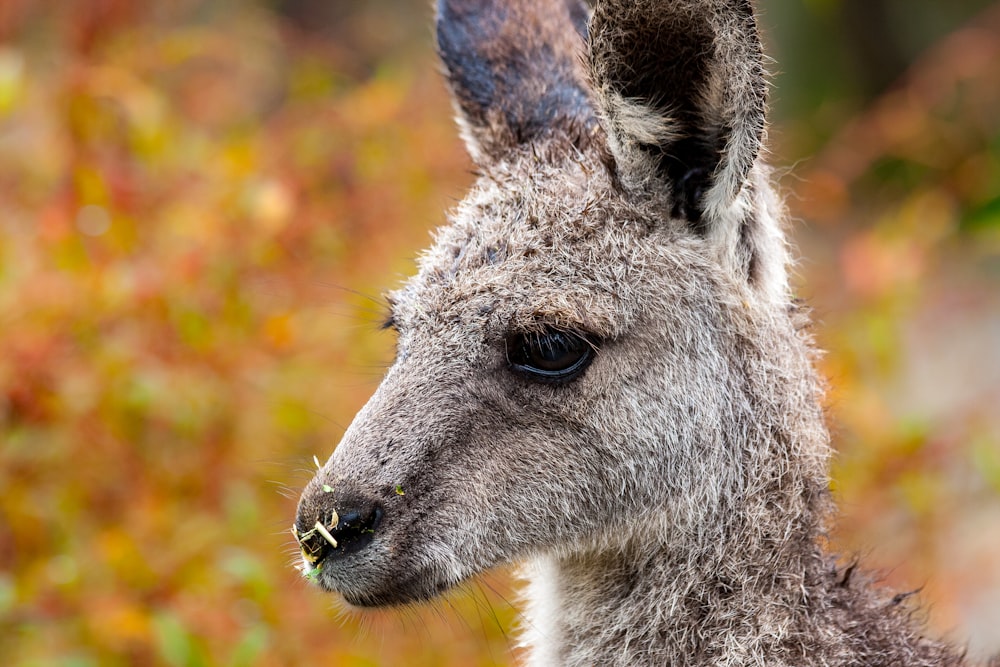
[{"x": 551, "y": 356}]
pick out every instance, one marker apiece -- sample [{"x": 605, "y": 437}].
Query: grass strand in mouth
[
  {"x": 321, "y": 529},
  {"x": 312, "y": 573}
]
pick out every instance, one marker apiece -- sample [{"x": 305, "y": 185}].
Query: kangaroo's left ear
[{"x": 515, "y": 68}]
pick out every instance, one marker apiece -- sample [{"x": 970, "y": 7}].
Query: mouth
[
  {"x": 417, "y": 589},
  {"x": 325, "y": 545},
  {"x": 369, "y": 580}
]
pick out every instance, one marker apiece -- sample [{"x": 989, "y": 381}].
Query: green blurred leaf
[{"x": 177, "y": 645}]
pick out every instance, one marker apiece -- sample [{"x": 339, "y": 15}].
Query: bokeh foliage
[{"x": 201, "y": 201}]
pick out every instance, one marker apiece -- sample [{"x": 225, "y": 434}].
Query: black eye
[{"x": 550, "y": 356}]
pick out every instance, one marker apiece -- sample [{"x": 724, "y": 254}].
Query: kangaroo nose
[{"x": 328, "y": 527}]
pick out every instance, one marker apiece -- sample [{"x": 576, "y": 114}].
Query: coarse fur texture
[{"x": 669, "y": 502}]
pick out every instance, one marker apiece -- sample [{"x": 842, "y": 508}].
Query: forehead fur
[{"x": 537, "y": 245}]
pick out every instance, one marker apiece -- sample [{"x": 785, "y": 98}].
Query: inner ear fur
[
  {"x": 682, "y": 90},
  {"x": 515, "y": 71}
]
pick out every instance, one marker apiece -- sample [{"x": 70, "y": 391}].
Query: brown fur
[{"x": 669, "y": 502}]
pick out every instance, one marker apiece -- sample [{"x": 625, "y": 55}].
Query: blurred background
[{"x": 201, "y": 202}]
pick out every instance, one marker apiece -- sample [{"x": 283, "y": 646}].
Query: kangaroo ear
[
  {"x": 682, "y": 89},
  {"x": 515, "y": 71}
]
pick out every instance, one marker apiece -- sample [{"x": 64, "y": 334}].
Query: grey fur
[{"x": 669, "y": 505}]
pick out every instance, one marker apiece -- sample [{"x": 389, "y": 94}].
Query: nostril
[
  {"x": 316, "y": 541},
  {"x": 334, "y": 533},
  {"x": 356, "y": 528}
]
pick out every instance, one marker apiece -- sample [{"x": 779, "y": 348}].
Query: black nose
[{"x": 329, "y": 526}]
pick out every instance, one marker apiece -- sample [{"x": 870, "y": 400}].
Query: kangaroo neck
[{"x": 652, "y": 604}]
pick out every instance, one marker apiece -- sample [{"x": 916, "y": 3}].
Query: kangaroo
[{"x": 601, "y": 372}]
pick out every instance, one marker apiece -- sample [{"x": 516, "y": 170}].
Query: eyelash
[{"x": 551, "y": 356}]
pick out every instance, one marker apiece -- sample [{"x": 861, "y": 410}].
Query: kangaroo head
[{"x": 591, "y": 346}]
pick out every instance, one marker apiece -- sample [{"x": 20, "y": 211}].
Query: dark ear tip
[
  {"x": 579, "y": 14},
  {"x": 515, "y": 69},
  {"x": 462, "y": 41}
]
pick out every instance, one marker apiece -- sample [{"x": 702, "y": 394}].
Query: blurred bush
[{"x": 201, "y": 201}]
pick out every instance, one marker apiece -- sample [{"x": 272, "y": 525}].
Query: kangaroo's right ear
[
  {"x": 515, "y": 71},
  {"x": 682, "y": 89}
]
